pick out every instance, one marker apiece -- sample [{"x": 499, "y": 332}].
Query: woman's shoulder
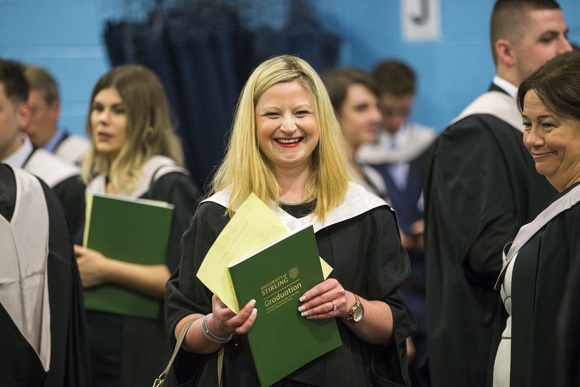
[
  {"x": 173, "y": 180},
  {"x": 572, "y": 222},
  {"x": 358, "y": 199},
  {"x": 358, "y": 204},
  {"x": 567, "y": 203},
  {"x": 209, "y": 219},
  {"x": 210, "y": 208},
  {"x": 174, "y": 177},
  {"x": 158, "y": 166}
]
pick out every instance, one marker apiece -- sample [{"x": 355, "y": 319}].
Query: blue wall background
[{"x": 66, "y": 37}]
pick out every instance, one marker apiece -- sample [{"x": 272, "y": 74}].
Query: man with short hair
[
  {"x": 16, "y": 149},
  {"x": 482, "y": 187},
  {"x": 42, "y": 320},
  {"x": 43, "y": 130}
]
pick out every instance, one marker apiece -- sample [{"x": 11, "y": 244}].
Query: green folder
[
  {"x": 281, "y": 340},
  {"x": 130, "y": 230}
]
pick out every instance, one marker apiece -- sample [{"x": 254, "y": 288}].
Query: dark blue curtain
[{"x": 203, "y": 55}]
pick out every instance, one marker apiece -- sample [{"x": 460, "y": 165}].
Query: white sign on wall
[{"x": 420, "y": 20}]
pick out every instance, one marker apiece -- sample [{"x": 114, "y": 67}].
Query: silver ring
[{"x": 333, "y": 306}]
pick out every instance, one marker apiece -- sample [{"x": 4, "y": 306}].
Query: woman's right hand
[
  {"x": 224, "y": 321},
  {"x": 92, "y": 266}
]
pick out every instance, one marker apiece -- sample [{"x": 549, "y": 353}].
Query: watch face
[{"x": 358, "y": 314}]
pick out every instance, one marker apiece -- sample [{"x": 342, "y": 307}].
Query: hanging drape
[{"x": 203, "y": 53}]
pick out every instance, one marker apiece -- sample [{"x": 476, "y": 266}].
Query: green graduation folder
[
  {"x": 281, "y": 341},
  {"x": 130, "y": 230}
]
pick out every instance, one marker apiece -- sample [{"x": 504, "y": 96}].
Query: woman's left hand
[
  {"x": 91, "y": 265},
  {"x": 325, "y": 300},
  {"x": 329, "y": 299}
]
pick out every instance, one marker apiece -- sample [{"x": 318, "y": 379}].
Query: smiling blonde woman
[{"x": 286, "y": 147}]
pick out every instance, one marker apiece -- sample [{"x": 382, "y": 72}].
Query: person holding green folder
[
  {"x": 286, "y": 147},
  {"x": 134, "y": 153}
]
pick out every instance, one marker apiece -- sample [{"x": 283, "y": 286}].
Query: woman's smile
[{"x": 286, "y": 126}]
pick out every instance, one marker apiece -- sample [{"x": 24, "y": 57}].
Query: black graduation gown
[
  {"x": 564, "y": 361},
  {"x": 71, "y": 193},
  {"x": 135, "y": 350},
  {"x": 69, "y": 364},
  {"x": 481, "y": 178},
  {"x": 538, "y": 281},
  {"x": 366, "y": 262}
]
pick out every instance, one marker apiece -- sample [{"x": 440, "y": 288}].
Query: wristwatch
[{"x": 356, "y": 313}]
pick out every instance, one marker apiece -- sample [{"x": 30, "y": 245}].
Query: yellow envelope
[{"x": 253, "y": 227}]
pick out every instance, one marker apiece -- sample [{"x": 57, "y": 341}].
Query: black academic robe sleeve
[
  {"x": 71, "y": 194},
  {"x": 563, "y": 368},
  {"x": 178, "y": 189},
  {"x": 469, "y": 189},
  {"x": 69, "y": 365}
]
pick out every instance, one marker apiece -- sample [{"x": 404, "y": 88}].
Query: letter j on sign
[{"x": 420, "y": 20}]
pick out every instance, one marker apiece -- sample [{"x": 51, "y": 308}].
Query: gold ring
[{"x": 333, "y": 306}]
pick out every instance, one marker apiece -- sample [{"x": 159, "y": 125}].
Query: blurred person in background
[
  {"x": 43, "y": 130},
  {"x": 42, "y": 322},
  {"x": 354, "y": 97},
  {"x": 17, "y": 150},
  {"x": 134, "y": 153}
]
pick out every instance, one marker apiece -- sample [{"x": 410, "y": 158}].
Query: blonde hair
[
  {"x": 245, "y": 169},
  {"x": 149, "y": 128}
]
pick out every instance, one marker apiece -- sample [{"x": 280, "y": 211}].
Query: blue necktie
[{"x": 397, "y": 171}]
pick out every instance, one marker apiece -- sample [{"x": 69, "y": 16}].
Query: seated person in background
[
  {"x": 134, "y": 153},
  {"x": 17, "y": 150},
  {"x": 43, "y": 130},
  {"x": 354, "y": 97},
  {"x": 42, "y": 321},
  {"x": 398, "y": 155},
  {"x": 286, "y": 147}
]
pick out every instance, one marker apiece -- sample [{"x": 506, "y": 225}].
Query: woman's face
[
  {"x": 109, "y": 122},
  {"x": 286, "y": 126},
  {"x": 553, "y": 141},
  {"x": 359, "y": 115}
]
